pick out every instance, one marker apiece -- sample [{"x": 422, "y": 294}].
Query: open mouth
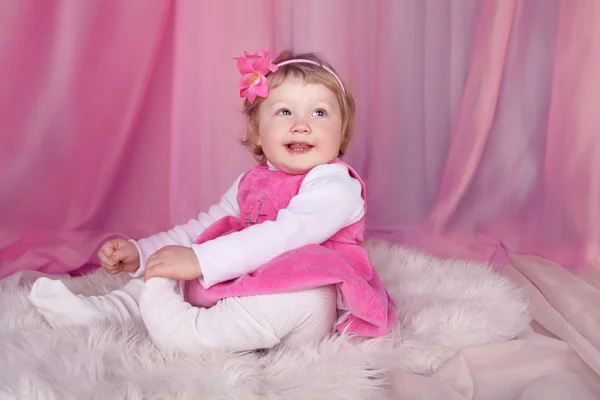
[{"x": 297, "y": 147}]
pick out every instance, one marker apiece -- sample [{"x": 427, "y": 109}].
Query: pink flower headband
[{"x": 255, "y": 67}]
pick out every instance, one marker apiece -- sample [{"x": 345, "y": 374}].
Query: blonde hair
[{"x": 309, "y": 73}]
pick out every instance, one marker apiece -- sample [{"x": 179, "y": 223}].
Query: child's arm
[
  {"x": 185, "y": 235},
  {"x": 328, "y": 200}
]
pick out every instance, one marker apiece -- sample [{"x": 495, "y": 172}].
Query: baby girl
[{"x": 279, "y": 258}]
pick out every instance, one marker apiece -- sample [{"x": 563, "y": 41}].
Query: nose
[{"x": 301, "y": 127}]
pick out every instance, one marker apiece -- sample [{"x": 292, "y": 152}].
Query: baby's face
[{"x": 300, "y": 126}]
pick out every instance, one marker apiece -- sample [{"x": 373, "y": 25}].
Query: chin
[
  {"x": 300, "y": 165},
  {"x": 295, "y": 170}
]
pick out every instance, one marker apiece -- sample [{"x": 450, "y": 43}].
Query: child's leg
[
  {"x": 60, "y": 307},
  {"x": 237, "y": 323}
]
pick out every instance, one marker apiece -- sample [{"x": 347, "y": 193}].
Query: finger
[
  {"x": 151, "y": 272},
  {"x": 107, "y": 249},
  {"x": 110, "y": 246},
  {"x": 115, "y": 242},
  {"x": 154, "y": 256},
  {"x": 113, "y": 260},
  {"x": 159, "y": 270},
  {"x": 105, "y": 252},
  {"x": 152, "y": 263},
  {"x": 112, "y": 268},
  {"x": 118, "y": 255},
  {"x": 107, "y": 264},
  {"x": 103, "y": 258}
]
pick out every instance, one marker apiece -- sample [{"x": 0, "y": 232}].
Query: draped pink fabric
[{"x": 477, "y": 128}]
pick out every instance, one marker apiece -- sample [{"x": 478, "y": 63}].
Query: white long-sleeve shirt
[{"x": 328, "y": 200}]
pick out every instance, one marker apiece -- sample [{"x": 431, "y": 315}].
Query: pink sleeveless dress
[{"x": 341, "y": 260}]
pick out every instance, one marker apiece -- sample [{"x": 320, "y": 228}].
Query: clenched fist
[{"x": 119, "y": 256}]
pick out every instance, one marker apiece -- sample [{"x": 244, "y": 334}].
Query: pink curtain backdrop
[{"x": 477, "y": 130}]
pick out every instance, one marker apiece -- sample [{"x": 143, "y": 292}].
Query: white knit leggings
[{"x": 236, "y": 323}]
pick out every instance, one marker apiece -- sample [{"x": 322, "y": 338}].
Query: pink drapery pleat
[
  {"x": 572, "y": 178},
  {"x": 475, "y": 128},
  {"x": 479, "y": 103},
  {"x": 74, "y": 85},
  {"x": 66, "y": 110}
]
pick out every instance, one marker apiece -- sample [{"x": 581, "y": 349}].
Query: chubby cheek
[
  {"x": 271, "y": 132},
  {"x": 332, "y": 134},
  {"x": 275, "y": 126},
  {"x": 267, "y": 140},
  {"x": 329, "y": 126}
]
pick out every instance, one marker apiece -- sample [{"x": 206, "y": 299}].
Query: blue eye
[
  {"x": 319, "y": 113},
  {"x": 284, "y": 111}
]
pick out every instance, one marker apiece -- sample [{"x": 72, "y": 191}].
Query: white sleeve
[
  {"x": 329, "y": 199},
  {"x": 185, "y": 235}
]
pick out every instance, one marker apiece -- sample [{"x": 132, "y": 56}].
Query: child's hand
[
  {"x": 174, "y": 262},
  {"x": 119, "y": 256}
]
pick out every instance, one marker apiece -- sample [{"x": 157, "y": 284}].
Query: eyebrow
[
  {"x": 326, "y": 103},
  {"x": 280, "y": 102},
  {"x": 273, "y": 104}
]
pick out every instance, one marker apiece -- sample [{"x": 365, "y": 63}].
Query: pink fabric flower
[{"x": 254, "y": 68}]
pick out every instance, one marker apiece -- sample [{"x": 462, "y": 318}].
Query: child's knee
[
  {"x": 323, "y": 311},
  {"x": 318, "y": 320}
]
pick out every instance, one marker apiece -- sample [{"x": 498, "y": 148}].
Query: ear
[{"x": 253, "y": 130}]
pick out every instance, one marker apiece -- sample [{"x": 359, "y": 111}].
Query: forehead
[{"x": 299, "y": 90}]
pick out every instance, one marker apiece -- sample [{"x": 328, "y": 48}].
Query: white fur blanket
[{"x": 443, "y": 305}]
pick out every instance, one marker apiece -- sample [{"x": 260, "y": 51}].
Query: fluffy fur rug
[{"x": 444, "y": 305}]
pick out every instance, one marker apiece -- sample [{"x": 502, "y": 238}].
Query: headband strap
[
  {"x": 255, "y": 67},
  {"x": 326, "y": 68}
]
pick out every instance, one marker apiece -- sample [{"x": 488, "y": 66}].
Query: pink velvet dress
[{"x": 341, "y": 260}]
